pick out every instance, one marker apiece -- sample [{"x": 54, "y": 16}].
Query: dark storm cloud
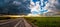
[{"x": 14, "y": 7}]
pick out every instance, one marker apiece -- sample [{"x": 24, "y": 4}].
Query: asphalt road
[{"x": 20, "y": 22}]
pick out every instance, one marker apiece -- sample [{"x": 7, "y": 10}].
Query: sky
[
  {"x": 52, "y": 6},
  {"x": 38, "y": 6},
  {"x": 23, "y": 6},
  {"x": 14, "y": 7}
]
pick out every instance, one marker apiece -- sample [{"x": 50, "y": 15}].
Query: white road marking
[{"x": 18, "y": 23}]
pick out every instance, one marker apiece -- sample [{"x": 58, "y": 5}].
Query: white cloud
[
  {"x": 16, "y": 3},
  {"x": 51, "y": 5}
]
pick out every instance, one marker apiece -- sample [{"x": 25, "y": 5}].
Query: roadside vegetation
[{"x": 44, "y": 21}]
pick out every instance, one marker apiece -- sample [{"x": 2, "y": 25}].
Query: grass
[
  {"x": 41, "y": 21},
  {"x": 44, "y": 21}
]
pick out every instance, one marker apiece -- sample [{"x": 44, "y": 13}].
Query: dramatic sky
[
  {"x": 22, "y": 6},
  {"x": 14, "y": 7},
  {"x": 53, "y": 6}
]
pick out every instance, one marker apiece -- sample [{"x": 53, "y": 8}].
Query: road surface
[{"x": 19, "y": 22}]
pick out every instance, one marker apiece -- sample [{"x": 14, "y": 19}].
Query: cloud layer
[
  {"x": 53, "y": 5},
  {"x": 17, "y": 6},
  {"x": 14, "y": 7}
]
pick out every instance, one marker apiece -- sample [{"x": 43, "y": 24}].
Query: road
[{"x": 19, "y": 22}]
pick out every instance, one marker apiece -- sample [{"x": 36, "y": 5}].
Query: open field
[{"x": 44, "y": 21}]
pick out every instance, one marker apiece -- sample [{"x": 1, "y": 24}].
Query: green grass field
[{"x": 44, "y": 21}]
